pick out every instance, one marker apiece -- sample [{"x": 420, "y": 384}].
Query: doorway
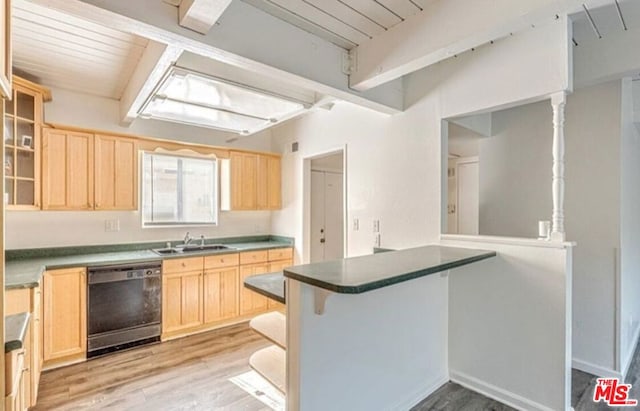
[{"x": 327, "y": 208}]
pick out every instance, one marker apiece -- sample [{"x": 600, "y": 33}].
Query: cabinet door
[
  {"x": 116, "y": 173},
  {"x": 36, "y": 348},
  {"x": 251, "y": 302},
  {"x": 274, "y": 182},
  {"x": 191, "y": 299},
  {"x": 220, "y": 294},
  {"x": 269, "y": 196},
  {"x": 171, "y": 302},
  {"x": 65, "y": 313},
  {"x": 67, "y": 170},
  {"x": 244, "y": 174}
]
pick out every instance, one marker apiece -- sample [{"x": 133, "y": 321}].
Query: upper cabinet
[
  {"x": 5, "y": 49},
  {"x": 82, "y": 171},
  {"x": 116, "y": 173},
  {"x": 22, "y": 123},
  {"x": 67, "y": 170},
  {"x": 254, "y": 182}
]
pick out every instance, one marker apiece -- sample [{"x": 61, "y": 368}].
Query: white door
[
  {"x": 468, "y": 197},
  {"x": 327, "y": 216}
]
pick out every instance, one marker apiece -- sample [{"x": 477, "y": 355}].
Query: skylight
[{"x": 193, "y": 98}]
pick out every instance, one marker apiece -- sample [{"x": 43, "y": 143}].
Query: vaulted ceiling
[
  {"x": 60, "y": 50},
  {"x": 346, "y": 23}
]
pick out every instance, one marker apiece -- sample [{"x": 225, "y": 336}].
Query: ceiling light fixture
[{"x": 188, "y": 97}]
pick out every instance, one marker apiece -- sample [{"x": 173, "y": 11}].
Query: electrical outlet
[
  {"x": 356, "y": 224},
  {"x": 112, "y": 225},
  {"x": 376, "y": 241},
  {"x": 376, "y": 226}
]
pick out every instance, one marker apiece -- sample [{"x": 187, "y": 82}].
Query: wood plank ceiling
[
  {"x": 346, "y": 23},
  {"x": 67, "y": 52}
]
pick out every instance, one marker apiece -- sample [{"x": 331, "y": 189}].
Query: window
[{"x": 179, "y": 190}]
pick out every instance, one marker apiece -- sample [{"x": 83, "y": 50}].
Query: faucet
[
  {"x": 187, "y": 239},
  {"x": 202, "y": 240}
]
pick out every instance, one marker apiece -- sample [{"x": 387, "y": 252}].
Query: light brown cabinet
[
  {"x": 83, "y": 171},
  {"x": 67, "y": 170},
  {"x": 116, "y": 173},
  {"x": 29, "y": 300},
  {"x": 65, "y": 315},
  {"x": 22, "y": 123},
  {"x": 220, "y": 294},
  {"x": 252, "y": 302},
  {"x": 254, "y": 181},
  {"x": 182, "y": 294},
  {"x": 16, "y": 397}
]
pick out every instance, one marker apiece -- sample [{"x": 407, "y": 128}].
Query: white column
[{"x": 558, "y": 102}]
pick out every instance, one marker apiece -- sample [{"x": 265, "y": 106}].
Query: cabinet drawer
[
  {"x": 281, "y": 254},
  {"x": 221, "y": 260},
  {"x": 179, "y": 265},
  {"x": 251, "y": 257}
]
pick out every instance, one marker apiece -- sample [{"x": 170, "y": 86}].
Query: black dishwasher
[{"x": 124, "y": 306}]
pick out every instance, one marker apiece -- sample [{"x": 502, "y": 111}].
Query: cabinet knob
[{"x": 184, "y": 264}]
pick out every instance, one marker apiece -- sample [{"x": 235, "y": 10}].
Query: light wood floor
[{"x": 187, "y": 374}]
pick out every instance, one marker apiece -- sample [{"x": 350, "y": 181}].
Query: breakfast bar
[{"x": 379, "y": 318}]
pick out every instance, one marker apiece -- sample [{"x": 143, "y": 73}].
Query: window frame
[{"x": 216, "y": 191}]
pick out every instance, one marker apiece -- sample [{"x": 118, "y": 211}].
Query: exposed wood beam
[
  {"x": 201, "y": 15},
  {"x": 246, "y": 38},
  {"x": 446, "y": 28},
  {"x": 155, "y": 61}
]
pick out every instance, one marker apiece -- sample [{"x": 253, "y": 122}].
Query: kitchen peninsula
[{"x": 383, "y": 316}]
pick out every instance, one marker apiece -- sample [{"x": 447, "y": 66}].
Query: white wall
[
  {"x": 515, "y": 177},
  {"x": 515, "y": 171},
  {"x": 394, "y": 165},
  {"x": 509, "y": 322},
  {"x": 52, "y": 229},
  {"x": 381, "y": 350},
  {"x": 629, "y": 229}
]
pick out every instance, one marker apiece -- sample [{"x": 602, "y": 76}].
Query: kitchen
[{"x": 135, "y": 216}]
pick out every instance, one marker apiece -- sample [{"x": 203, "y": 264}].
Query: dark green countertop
[
  {"x": 15, "y": 330},
  {"x": 361, "y": 274},
  {"x": 270, "y": 285},
  {"x": 26, "y": 267}
]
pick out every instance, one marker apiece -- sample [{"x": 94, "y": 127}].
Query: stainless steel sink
[
  {"x": 163, "y": 251},
  {"x": 206, "y": 247},
  {"x": 193, "y": 248}
]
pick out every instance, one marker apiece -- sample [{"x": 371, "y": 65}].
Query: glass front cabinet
[{"x": 22, "y": 125}]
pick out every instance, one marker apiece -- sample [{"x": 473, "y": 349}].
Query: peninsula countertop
[
  {"x": 357, "y": 275},
  {"x": 25, "y": 270},
  {"x": 270, "y": 285},
  {"x": 15, "y": 331}
]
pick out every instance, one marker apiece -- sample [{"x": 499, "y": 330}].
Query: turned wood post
[{"x": 558, "y": 102}]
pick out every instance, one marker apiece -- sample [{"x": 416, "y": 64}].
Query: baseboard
[
  {"x": 596, "y": 370},
  {"x": 488, "y": 390},
  {"x": 634, "y": 346},
  {"x": 420, "y": 394}
]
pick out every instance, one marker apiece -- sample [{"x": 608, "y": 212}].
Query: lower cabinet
[
  {"x": 220, "y": 294},
  {"x": 181, "y": 301},
  {"x": 29, "y": 300},
  {"x": 252, "y": 302},
  {"x": 65, "y": 315},
  {"x": 16, "y": 398}
]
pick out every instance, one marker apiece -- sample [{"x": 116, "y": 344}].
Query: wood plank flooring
[
  {"x": 187, "y": 374},
  {"x": 192, "y": 374}
]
